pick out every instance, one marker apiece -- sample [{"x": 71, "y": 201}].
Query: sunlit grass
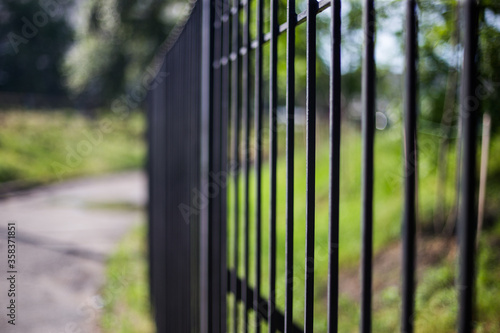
[
  {"x": 46, "y": 146},
  {"x": 126, "y": 292}
]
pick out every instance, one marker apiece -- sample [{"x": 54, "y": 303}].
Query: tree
[
  {"x": 114, "y": 43},
  {"x": 34, "y": 37}
]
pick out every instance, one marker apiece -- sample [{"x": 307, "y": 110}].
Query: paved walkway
[{"x": 64, "y": 233}]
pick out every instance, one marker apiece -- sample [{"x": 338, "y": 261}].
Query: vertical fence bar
[
  {"x": 368, "y": 119},
  {"x": 410, "y": 170},
  {"x": 214, "y": 168},
  {"x": 312, "y": 7},
  {"x": 194, "y": 167},
  {"x": 226, "y": 37},
  {"x": 235, "y": 17},
  {"x": 290, "y": 148},
  {"x": 245, "y": 72},
  {"x": 245, "y": 87},
  {"x": 157, "y": 195},
  {"x": 335, "y": 110},
  {"x": 258, "y": 162},
  {"x": 169, "y": 151},
  {"x": 199, "y": 171},
  {"x": 467, "y": 217},
  {"x": 206, "y": 108},
  {"x": 273, "y": 148}
]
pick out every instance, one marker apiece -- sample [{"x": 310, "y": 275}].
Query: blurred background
[{"x": 74, "y": 79}]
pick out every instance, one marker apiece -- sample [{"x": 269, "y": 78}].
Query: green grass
[
  {"x": 436, "y": 303},
  {"x": 126, "y": 292},
  {"x": 436, "y": 297},
  {"x": 44, "y": 146},
  {"x": 388, "y": 189},
  {"x": 387, "y": 220}
]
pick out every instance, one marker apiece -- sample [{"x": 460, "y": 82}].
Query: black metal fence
[
  {"x": 174, "y": 169},
  {"x": 208, "y": 84}
]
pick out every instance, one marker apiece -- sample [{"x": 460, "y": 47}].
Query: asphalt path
[{"x": 64, "y": 234}]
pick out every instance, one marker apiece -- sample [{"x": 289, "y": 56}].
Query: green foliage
[
  {"x": 115, "y": 43},
  {"x": 489, "y": 41},
  {"x": 440, "y": 46}
]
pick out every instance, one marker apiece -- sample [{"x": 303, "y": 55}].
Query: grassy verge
[
  {"x": 126, "y": 292},
  {"x": 45, "y": 146}
]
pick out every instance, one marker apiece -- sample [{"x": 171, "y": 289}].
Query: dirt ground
[{"x": 387, "y": 265}]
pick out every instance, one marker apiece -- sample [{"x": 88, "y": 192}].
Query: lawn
[{"x": 44, "y": 146}]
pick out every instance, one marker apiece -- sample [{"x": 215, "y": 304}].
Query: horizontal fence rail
[{"x": 206, "y": 144}]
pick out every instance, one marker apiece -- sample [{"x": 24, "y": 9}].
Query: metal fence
[
  {"x": 208, "y": 81},
  {"x": 174, "y": 169}
]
